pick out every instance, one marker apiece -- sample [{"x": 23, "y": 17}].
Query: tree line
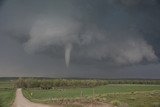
[
  {"x": 48, "y": 84},
  {"x": 154, "y": 82},
  {"x": 55, "y": 83}
]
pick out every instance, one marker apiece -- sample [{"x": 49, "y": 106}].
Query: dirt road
[{"x": 21, "y": 101}]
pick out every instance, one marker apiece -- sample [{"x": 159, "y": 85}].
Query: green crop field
[
  {"x": 108, "y": 93},
  {"x": 7, "y": 93},
  {"x": 66, "y": 92},
  {"x": 6, "y": 85},
  {"x": 6, "y": 98}
]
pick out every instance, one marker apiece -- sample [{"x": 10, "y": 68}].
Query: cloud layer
[{"x": 114, "y": 32}]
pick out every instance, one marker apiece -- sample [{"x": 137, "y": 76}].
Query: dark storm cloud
[{"x": 105, "y": 34}]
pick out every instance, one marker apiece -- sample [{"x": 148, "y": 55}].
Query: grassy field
[
  {"x": 136, "y": 99},
  {"x": 6, "y": 98},
  {"x": 116, "y": 94},
  {"x": 6, "y": 84},
  {"x": 7, "y": 93},
  {"x": 122, "y": 95}
]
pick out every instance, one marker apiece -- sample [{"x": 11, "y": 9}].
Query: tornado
[{"x": 68, "y": 49}]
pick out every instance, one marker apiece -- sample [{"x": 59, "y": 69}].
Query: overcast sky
[{"x": 80, "y": 38}]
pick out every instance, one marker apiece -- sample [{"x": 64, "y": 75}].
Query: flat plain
[{"x": 79, "y": 93}]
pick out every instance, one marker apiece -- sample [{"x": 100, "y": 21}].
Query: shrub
[
  {"x": 123, "y": 105},
  {"x": 116, "y": 102}
]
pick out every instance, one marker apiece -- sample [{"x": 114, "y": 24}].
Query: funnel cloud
[{"x": 68, "y": 50}]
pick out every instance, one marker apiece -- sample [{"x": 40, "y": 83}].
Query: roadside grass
[
  {"x": 7, "y": 93},
  {"x": 6, "y": 98},
  {"x": 125, "y": 93}
]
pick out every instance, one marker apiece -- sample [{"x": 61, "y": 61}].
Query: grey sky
[{"x": 104, "y": 39}]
